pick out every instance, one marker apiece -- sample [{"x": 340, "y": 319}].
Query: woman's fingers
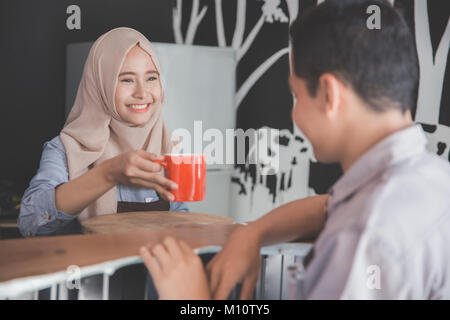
[
  {"x": 164, "y": 193},
  {"x": 144, "y": 163},
  {"x": 149, "y": 156},
  {"x": 140, "y": 170},
  {"x": 156, "y": 182},
  {"x": 155, "y": 178}
]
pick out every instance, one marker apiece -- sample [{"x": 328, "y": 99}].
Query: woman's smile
[{"x": 139, "y": 107}]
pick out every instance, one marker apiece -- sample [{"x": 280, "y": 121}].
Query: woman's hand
[
  {"x": 137, "y": 168},
  {"x": 176, "y": 270}
]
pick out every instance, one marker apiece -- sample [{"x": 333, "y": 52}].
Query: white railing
[{"x": 277, "y": 257}]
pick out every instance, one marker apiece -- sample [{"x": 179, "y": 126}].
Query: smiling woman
[
  {"x": 138, "y": 87},
  {"x": 103, "y": 159}
]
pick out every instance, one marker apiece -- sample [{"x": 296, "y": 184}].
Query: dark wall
[{"x": 33, "y": 51}]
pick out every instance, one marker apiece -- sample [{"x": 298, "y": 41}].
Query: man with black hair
[{"x": 384, "y": 228}]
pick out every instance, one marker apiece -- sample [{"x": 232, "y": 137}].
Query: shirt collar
[{"x": 396, "y": 147}]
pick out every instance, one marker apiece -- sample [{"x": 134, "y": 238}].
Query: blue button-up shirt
[
  {"x": 387, "y": 235},
  {"x": 38, "y": 214}
]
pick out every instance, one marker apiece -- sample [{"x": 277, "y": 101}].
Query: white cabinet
[{"x": 217, "y": 198}]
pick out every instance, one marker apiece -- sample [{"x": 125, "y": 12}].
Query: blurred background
[{"x": 43, "y": 47}]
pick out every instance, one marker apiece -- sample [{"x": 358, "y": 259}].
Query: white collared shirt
[{"x": 387, "y": 234}]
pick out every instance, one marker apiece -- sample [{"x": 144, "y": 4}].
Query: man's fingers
[
  {"x": 209, "y": 265},
  {"x": 160, "y": 252},
  {"x": 186, "y": 248},
  {"x": 248, "y": 287},
  {"x": 150, "y": 262},
  {"x": 173, "y": 248},
  {"x": 213, "y": 277},
  {"x": 223, "y": 289}
]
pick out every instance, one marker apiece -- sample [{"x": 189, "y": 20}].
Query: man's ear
[{"x": 331, "y": 92}]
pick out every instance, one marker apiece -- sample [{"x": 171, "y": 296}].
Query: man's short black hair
[{"x": 379, "y": 64}]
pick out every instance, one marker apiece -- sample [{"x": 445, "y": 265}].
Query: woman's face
[{"x": 138, "y": 87}]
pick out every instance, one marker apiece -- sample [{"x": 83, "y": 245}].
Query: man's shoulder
[
  {"x": 406, "y": 202},
  {"x": 418, "y": 182}
]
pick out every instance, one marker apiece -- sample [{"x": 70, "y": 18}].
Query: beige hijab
[{"x": 94, "y": 131}]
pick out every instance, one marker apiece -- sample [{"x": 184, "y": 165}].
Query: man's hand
[
  {"x": 238, "y": 261},
  {"x": 176, "y": 270}
]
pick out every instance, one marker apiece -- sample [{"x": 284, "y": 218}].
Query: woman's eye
[
  {"x": 126, "y": 80},
  {"x": 152, "y": 78}
]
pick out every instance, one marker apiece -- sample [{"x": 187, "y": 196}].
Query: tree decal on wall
[
  {"x": 195, "y": 19},
  {"x": 432, "y": 72},
  {"x": 300, "y": 175},
  {"x": 270, "y": 13}
]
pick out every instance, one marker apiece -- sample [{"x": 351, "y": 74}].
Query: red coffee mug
[{"x": 189, "y": 172}]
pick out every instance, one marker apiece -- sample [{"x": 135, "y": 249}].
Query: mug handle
[{"x": 161, "y": 162}]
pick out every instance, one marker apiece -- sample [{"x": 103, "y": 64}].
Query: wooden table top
[
  {"x": 149, "y": 220},
  {"x": 43, "y": 255}
]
